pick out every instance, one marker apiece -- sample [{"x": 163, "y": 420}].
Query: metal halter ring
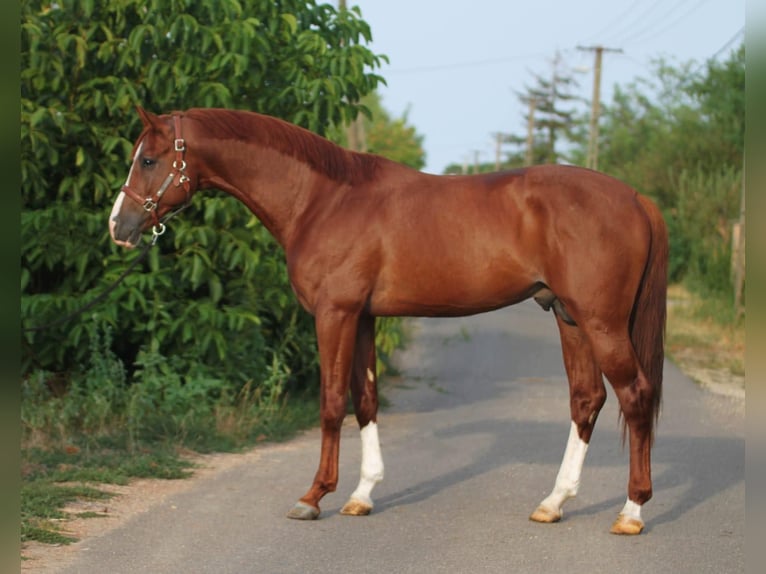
[{"x": 158, "y": 229}]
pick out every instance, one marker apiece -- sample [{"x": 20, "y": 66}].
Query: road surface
[{"x": 472, "y": 441}]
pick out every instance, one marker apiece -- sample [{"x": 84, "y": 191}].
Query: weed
[
  {"x": 90, "y": 514},
  {"x": 704, "y": 332},
  {"x": 41, "y": 503},
  {"x": 103, "y": 428}
]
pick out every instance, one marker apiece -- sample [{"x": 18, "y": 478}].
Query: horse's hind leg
[
  {"x": 365, "y": 397},
  {"x": 586, "y": 397},
  {"x": 617, "y": 358}
]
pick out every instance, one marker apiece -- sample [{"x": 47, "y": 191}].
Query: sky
[{"x": 455, "y": 67}]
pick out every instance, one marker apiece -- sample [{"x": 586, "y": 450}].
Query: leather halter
[{"x": 151, "y": 203}]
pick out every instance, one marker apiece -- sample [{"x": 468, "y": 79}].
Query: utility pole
[
  {"x": 529, "y": 155},
  {"x": 355, "y": 133},
  {"x": 498, "y": 149},
  {"x": 595, "y": 104},
  {"x": 738, "y": 250},
  {"x": 357, "y": 138}
]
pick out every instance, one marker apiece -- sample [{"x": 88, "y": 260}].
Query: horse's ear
[{"x": 148, "y": 118}]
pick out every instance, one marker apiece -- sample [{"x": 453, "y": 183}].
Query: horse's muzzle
[{"x": 125, "y": 225}]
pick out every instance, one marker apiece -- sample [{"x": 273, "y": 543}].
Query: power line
[
  {"x": 660, "y": 20},
  {"x": 728, "y": 44},
  {"x": 614, "y": 34},
  {"x": 615, "y": 21},
  {"x": 672, "y": 24},
  {"x": 720, "y": 50}
]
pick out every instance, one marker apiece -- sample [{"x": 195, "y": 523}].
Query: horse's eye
[{"x": 147, "y": 162}]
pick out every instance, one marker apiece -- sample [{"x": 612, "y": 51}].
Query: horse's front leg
[
  {"x": 365, "y": 395},
  {"x": 336, "y": 333}
]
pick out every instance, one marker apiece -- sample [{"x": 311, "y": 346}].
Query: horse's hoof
[
  {"x": 627, "y": 525},
  {"x": 546, "y": 515},
  {"x": 303, "y": 511},
  {"x": 355, "y": 507}
]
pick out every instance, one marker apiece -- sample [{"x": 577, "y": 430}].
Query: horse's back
[{"x": 458, "y": 245}]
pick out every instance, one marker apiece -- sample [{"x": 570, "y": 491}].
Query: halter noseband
[{"x": 151, "y": 203}]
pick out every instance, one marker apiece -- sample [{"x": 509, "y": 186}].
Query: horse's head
[{"x": 158, "y": 181}]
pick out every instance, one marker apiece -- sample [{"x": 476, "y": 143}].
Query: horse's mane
[{"x": 322, "y": 155}]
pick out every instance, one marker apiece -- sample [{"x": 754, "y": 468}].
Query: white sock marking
[
  {"x": 631, "y": 510},
  {"x": 372, "y": 464},
  {"x": 568, "y": 478}
]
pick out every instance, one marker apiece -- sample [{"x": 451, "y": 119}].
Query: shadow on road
[
  {"x": 510, "y": 360},
  {"x": 700, "y": 467}
]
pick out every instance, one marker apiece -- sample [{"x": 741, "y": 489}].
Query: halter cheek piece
[{"x": 151, "y": 203}]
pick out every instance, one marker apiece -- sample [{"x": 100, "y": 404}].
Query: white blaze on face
[
  {"x": 115, "y": 211},
  {"x": 117, "y": 207}
]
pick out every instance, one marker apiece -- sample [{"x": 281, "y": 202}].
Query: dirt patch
[
  {"x": 717, "y": 380},
  {"x": 711, "y": 354},
  {"x": 102, "y": 516}
]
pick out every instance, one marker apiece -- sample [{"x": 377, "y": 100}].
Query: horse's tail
[{"x": 647, "y": 330}]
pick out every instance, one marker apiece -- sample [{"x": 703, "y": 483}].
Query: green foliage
[
  {"x": 680, "y": 120},
  {"x": 41, "y": 502},
  {"x": 390, "y": 137},
  {"x": 101, "y": 430},
  {"x": 43, "y": 496},
  {"x": 680, "y": 139},
  {"x": 390, "y": 335},
  {"x": 210, "y": 308},
  {"x": 202, "y": 344},
  {"x": 706, "y": 205}
]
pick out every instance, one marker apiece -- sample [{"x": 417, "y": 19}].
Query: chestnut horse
[{"x": 366, "y": 237}]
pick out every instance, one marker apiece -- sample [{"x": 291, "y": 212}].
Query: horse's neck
[{"x": 275, "y": 187}]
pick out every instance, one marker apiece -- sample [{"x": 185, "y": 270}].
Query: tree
[
  {"x": 679, "y": 119},
  {"x": 679, "y": 137},
  {"x": 553, "y": 120},
  {"x": 392, "y": 138},
  {"x": 212, "y": 300}
]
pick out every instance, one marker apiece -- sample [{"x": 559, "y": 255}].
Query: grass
[
  {"x": 55, "y": 476},
  {"x": 102, "y": 428},
  {"x": 41, "y": 503},
  {"x": 704, "y": 333}
]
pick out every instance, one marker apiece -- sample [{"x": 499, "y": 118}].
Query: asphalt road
[{"x": 472, "y": 441}]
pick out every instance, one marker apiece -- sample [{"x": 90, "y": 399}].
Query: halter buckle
[
  {"x": 149, "y": 204},
  {"x": 180, "y": 144}
]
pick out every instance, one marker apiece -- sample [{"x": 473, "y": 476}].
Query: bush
[
  {"x": 207, "y": 321},
  {"x": 701, "y": 227}
]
